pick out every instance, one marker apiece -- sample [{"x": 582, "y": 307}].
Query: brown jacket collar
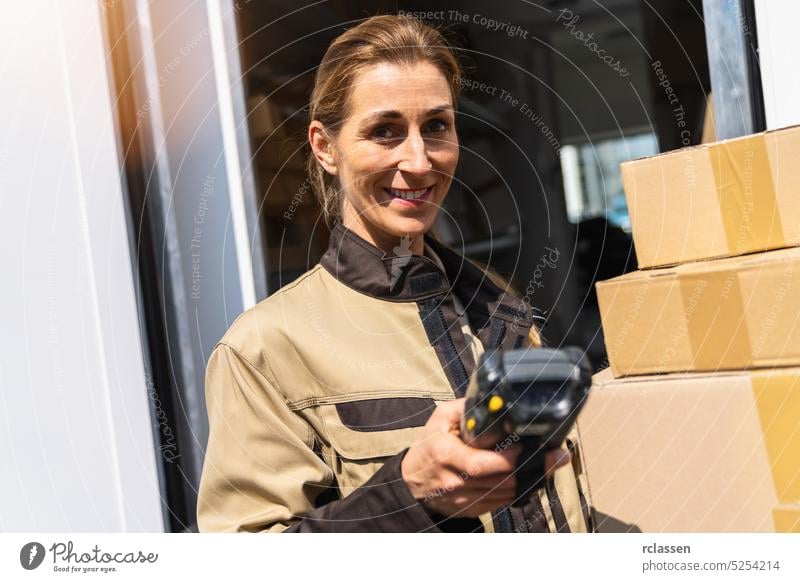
[{"x": 362, "y": 266}]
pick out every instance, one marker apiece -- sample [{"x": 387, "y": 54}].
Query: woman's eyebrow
[
  {"x": 439, "y": 109},
  {"x": 378, "y": 115}
]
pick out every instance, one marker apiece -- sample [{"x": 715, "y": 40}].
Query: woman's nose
[{"x": 414, "y": 155}]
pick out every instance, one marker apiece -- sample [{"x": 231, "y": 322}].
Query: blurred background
[{"x": 153, "y": 188}]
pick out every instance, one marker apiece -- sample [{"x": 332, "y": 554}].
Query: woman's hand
[{"x": 453, "y": 479}]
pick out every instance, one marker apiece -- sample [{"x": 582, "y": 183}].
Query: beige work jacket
[{"x": 315, "y": 394}]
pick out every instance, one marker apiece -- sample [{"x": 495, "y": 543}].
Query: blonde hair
[{"x": 397, "y": 39}]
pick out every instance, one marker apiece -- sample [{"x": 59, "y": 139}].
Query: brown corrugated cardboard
[
  {"x": 728, "y": 314},
  {"x": 694, "y": 452},
  {"x": 715, "y": 200}
]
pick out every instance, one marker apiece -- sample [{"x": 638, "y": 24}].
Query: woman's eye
[
  {"x": 385, "y": 132},
  {"x": 437, "y": 126}
]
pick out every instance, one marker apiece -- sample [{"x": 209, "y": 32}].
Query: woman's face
[{"x": 396, "y": 153}]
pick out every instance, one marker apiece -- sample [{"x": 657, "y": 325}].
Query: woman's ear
[{"x": 322, "y": 146}]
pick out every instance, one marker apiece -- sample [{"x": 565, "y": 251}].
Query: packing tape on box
[
  {"x": 737, "y": 166},
  {"x": 777, "y": 398},
  {"x": 706, "y": 300},
  {"x": 786, "y": 518}
]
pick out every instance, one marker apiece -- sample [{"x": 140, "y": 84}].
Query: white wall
[
  {"x": 76, "y": 441},
  {"x": 777, "y": 22}
]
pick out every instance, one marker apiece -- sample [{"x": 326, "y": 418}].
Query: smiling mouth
[{"x": 409, "y": 195}]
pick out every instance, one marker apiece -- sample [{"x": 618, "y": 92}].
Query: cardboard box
[
  {"x": 715, "y": 200},
  {"x": 694, "y": 452},
  {"x": 734, "y": 313}
]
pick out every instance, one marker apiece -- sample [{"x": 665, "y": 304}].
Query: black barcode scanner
[{"x": 529, "y": 397}]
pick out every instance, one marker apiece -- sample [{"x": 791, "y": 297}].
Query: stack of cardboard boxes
[{"x": 696, "y": 425}]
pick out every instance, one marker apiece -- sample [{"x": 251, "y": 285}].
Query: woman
[{"x": 334, "y": 404}]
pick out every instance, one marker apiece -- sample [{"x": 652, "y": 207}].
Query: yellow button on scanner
[
  {"x": 495, "y": 403},
  {"x": 471, "y": 423}
]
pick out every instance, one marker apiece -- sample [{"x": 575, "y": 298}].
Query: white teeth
[{"x": 408, "y": 194}]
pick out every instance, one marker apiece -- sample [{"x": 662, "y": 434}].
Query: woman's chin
[{"x": 409, "y": 226}]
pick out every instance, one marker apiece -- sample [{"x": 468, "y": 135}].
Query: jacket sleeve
[{"x": 261, "y": 472}]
